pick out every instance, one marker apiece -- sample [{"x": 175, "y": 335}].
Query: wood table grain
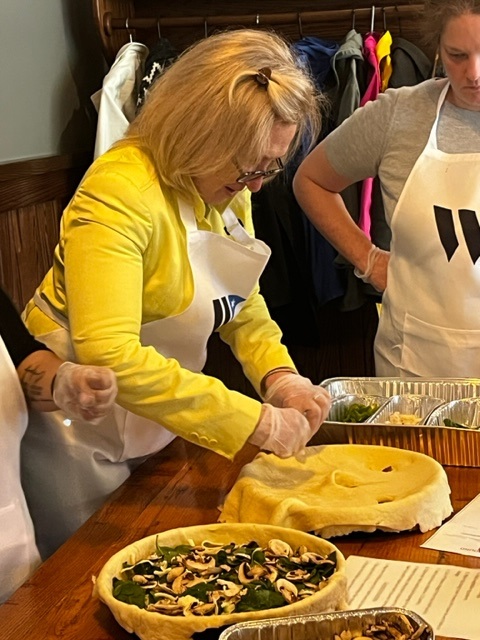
[{"x": 180, "y": 486}]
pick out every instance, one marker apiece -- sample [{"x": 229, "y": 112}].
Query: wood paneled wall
[{"x": 33, "y": 194}]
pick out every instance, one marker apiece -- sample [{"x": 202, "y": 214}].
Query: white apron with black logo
[
  {"x": 86, "y": 463},
  {"x": 18, "y": 552},
  {"x": 430, "y": 320}
]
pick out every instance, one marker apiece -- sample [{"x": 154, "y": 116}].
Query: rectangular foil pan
[
  {"x": 322, "y": 626},
  {"x": 409, "y": 404},
  {"x": 448, "y": 445}
]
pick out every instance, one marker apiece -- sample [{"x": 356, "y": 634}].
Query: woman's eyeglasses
[{"x": 248, "y": 176}]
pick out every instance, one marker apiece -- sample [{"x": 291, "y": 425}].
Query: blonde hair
[
  {"x": 437, "y": 13},
  {"x": 208, "y": 109}
]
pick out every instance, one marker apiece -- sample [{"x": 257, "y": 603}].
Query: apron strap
[
  {"x": 49, "y": 311},
  {"x": 235, "y": 229},
  {"x": 232, "y": 225},
  {"x": 432, "y": 138}
]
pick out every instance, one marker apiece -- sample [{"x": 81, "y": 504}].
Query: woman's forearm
[
  {"x": 37, "y": 373},
  {"x": 317, "y": 188}
]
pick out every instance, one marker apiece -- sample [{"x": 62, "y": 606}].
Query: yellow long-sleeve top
[{"x": 121, "y": 262}]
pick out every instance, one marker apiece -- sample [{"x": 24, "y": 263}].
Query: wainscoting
[{"x": 33, "y": 194}]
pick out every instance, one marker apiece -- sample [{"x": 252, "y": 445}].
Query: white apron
[
  {"x": 430, "y": 320},
  {"x": 86, "y": 462},
  {"x": 18, "y": 552}
]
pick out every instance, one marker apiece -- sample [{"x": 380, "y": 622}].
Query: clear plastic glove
[
  {"x": 297, "y": 392},
  {"x": 378, "y": 277},
  {"x": 376, "y": 270},
  {"x": 285, "y": 432},
  {"x": 85, "y": 392}
]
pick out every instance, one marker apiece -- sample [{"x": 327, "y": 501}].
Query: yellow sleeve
[{"x": 108, "y": 233}]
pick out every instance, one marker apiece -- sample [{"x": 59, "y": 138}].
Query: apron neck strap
[
  {"x": 232, "y": 225},
  {"x": 432, "y": 140},
  {"x": 235, "y": 229}
]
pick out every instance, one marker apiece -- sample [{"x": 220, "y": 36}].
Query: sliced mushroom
[
  {"x": 271, "y": 572},
  {"x": 175, "y": 573},
  {"x": 200, "y": 567},
  {"x": 168, "y": 609},
  {"x": 288, "y": 590},
  {"x": 257, "y": 571},
  {"x": 231, "y": 589},
  {"x": 279, "y": 548},
  {"x": 191, "y": 582},
  {"x": 310, "y": 557},
  {"x": 179, "y": 585},
  {"x": 404, "y": 623},
  {"x": 163, "y": 594},
  {"x": 244, "y": 573},
  {"x": 297, "y": 575},
  {"x": 419, "y": 631},
  {"x": 187, "y": 603},
  {"x": 203, "y": 609}
]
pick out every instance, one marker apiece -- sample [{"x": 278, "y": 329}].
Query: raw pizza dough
[
  {"x": 149, "y": 625},
  {"x": 338, "y": 489}
]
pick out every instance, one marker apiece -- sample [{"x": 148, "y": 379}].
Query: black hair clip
[{"x": 263, "y": 76}]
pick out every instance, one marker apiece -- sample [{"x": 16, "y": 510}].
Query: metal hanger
[
  {"x": 300, "y": 27},
  {"x": 372, "y": 19},
  {"x": 205, "y": 27},
  {"x": 354, "y": 15},
  {"x": 128, "y": 29},
  {"x": 399, "y": 21}
]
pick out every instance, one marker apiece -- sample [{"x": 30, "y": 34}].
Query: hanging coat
[{"x": 116, "y": 101}]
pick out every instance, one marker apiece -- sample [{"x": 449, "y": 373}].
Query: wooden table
[{"x": 180, "y": 486}]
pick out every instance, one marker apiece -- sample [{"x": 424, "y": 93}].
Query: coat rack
[{"x": 401, "y": 19}]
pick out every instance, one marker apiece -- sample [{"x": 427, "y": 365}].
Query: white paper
[
  {"x": 461, "y": 534},
  {"x": 447, "y": 597}
]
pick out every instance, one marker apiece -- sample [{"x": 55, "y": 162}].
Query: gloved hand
[
  {"x": 376, "y": 270},
  {"x": 297, "y": 392},
  {"x": 285, "y": 432},
  {"x": 84, "y": 391}
]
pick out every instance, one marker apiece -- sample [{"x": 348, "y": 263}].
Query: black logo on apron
[
  {"x": 224, "y": 309},
  {"x": 448, "y": 237}
]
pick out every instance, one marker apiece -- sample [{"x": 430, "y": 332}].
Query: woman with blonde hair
[{"x": 165, "y": 216}]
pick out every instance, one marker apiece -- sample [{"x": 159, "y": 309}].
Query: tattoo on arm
[{"x": 35, "y": 387}]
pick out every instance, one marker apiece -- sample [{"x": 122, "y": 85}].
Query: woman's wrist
[
  {"x": 371, "y": 258},
  {"x": 270, "y": 377}
]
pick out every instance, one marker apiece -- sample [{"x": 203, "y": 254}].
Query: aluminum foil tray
[
  {"x": 324, "y": 626},
  {"x": 465, "y": 413},
  {"x": 414, "y": 405},
  {"x": 448, "y": 445},
  {"x": 339, "y": 405}
]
